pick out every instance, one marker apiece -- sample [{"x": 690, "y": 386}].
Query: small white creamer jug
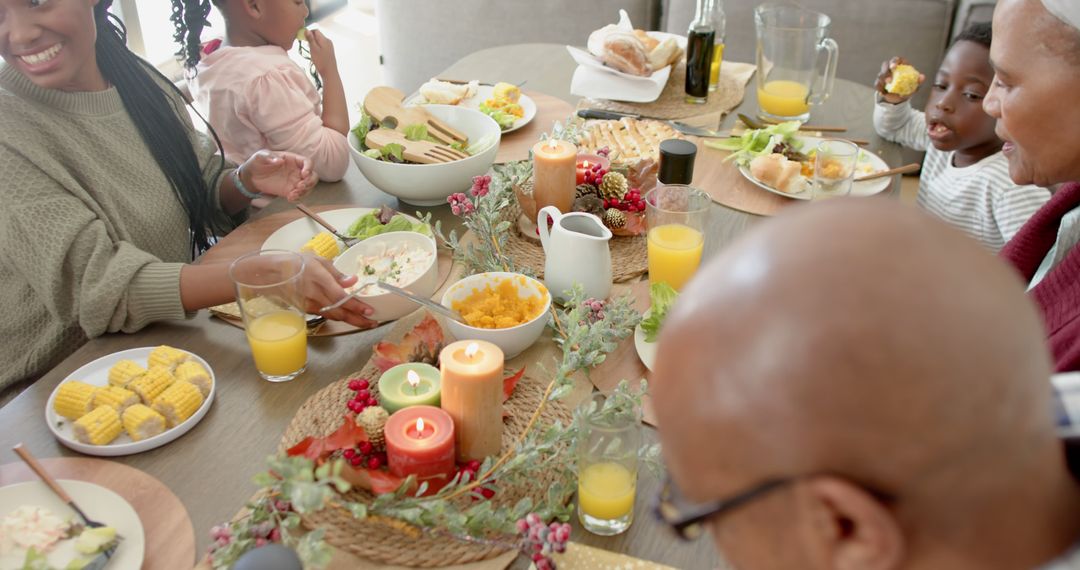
[{"x": 576, "y": 251}]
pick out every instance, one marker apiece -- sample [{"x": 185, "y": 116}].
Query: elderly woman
[
  {"x": 1036, "y": 100},
  {"x": 108, "y": 190}
]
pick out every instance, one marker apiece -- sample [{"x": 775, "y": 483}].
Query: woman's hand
[
  {"x": 322, "y": 53},
  {"x": 274, "y": 173},
  {"x": 885, "y": 76},
  {"x": 324, "y": 285}
]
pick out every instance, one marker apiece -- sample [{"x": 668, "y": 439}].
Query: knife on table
[{"x": 681, "y": 127}]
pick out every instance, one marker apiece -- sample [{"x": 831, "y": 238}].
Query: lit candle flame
[
  {"x": 420, "y": 427},
  {"x": 553, "y": 145},
  {"x": 413, "y": 378},
  {"x": 586, "y": 165},
  {"x": 472, "y": 350}
]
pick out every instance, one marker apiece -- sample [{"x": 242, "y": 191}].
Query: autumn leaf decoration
[
  {"x": 422, "y": 344},
  {"x": 316, "y": 448}
]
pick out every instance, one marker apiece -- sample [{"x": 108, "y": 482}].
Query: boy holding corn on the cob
[{"x": 965, "y": 177}]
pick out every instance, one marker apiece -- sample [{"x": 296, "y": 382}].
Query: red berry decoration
[
  {"x": 473, "y": 466},
  {"x": 374, "y": 463},
  {"x": 354, "y": 385},
  {"x": 371, "y": 401},
  {"x": 363, "y": 384},
  {"x": 349, "y": 453},
  {"x": 487, "y": 493},
  {"x": 366, "y": 448},
  {"x": 356, "y": 460},
  {"x": 362, "y": 394}
]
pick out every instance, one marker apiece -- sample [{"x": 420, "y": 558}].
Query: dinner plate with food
[
  {"x": 38, "y": 530},
  {"x": 503, "y": 102},
  {"x": 781, "y": 161},
  {"x": 662, "y": 296},
  {"x": 304, "y": 235},
  {"x": 131, "y": 401}
]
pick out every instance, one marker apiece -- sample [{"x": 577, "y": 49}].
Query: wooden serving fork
[
  {"x": 423, "y": 152},
  {"x": 384, "y": 104}
]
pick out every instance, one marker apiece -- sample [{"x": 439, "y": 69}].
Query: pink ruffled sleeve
[{"x": 284, "y": 106}]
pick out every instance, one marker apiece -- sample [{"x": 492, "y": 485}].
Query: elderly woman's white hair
[{"x": 1067, "y": 11}]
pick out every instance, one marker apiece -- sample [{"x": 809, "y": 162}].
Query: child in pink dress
[{"x": 254, "y": 96}]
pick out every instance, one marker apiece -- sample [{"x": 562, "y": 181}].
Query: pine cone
[
  {"x": 373, "y": 420},
  {"x": 590, "y": 203},
  {"x": 614, "y": 185},
  {"x": 614, "y": 218},
  {"x": 587, "y": 190}
]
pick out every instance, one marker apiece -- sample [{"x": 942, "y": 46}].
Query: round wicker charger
[
  {"x": 672, "y": 104},
  {"x": 392, "y": 542},
  {"x": 629, "y": 255}
]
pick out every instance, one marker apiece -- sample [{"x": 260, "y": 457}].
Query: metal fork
[
  {"x": 39, "y": 469},
  {"x": 348, "y": 241}
]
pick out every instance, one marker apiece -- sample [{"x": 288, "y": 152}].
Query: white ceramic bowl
[
  {"x": 389, "y": 306},
  {"x": 432, "y": 184},
  {"x": 514, "y": 340}
]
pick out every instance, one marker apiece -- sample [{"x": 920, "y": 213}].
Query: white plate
[
  {"x": 869, "y": 163},
  {"x": 483, "y": 93},
  {"x": 99, "y": 503},
  {"x": 97, "y": 373},
  {"x": 293, "y": 235},
  {"x": 595, "y": 80},
  {"x": 646, "y": 350}
]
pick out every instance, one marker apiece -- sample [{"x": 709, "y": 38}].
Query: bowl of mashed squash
[{"x": 509, "y": 310}]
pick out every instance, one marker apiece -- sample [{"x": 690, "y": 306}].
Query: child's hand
[
  {"x": 283, "y": 174},
  {"x": 322, "y": 53},
  {"x": 885, "y": 76}
]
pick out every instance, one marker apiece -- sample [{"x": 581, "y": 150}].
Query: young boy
[{"x": 965, "y": 178}]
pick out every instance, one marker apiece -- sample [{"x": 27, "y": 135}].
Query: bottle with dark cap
[{"x": 676, "y": 161}]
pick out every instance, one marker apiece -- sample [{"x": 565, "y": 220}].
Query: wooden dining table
[{"x": 210, "y": 468}]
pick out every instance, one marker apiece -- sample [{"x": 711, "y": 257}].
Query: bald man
[{"x": 867, "y": 389}]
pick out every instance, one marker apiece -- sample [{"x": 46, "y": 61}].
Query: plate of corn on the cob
[{"x": 131, "y": 401}]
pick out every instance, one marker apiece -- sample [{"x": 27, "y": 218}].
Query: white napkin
[{"x": 595, "y": 80}]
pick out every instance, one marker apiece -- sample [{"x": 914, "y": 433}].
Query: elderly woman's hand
[
  {"x": 284, "y": 174},
  {"x": 324, "y": 285},
  {"x": 885, "y": 76}
]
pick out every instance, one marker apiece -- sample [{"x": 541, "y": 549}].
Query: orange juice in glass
[
  {"x": 675, "y": 215},
  {"x": 607, "y": 468},
  {"x": 268, "y": 291}
]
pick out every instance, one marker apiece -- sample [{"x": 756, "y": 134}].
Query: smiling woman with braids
[
  {"x": 253, "y": 94},
  {"x": 108, "y": 190}
]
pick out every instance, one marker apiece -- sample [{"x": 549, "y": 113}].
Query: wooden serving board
[{"x": 170, "y": 538}]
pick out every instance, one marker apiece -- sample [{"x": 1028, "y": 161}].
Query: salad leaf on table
[
  {"x": 505, "y": 120},
  {"x": 758, "y": 142},
  {"x": 371, "y": 224},
  {"x": 662, "y": 297}
]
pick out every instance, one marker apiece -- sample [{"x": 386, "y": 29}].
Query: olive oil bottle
[{"x": 699, "y": 53}]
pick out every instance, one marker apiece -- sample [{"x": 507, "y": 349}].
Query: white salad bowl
[
  {"x": 432, "y": 184},
  {"x": 514, "y": 340},
  {"x": 388, "y": 306}
]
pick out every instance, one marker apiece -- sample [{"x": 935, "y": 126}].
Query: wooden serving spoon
[
  {"x": 422, "y": 152},
  {"x": 384, "y": 104}
]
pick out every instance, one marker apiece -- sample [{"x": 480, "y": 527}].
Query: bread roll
[
  {"x": 779, "y": 172},
  {"x": 624, "y": 52},
  {"x": 664, "y": 54},
  {"x": 648, "y": 42}
]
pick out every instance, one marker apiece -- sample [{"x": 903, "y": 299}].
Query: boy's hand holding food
[
  {"x": 898, "y": 81},
  {"x": 322, "y": 53}
]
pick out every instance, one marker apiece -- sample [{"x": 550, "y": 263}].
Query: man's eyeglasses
[{"x": 687, "y": 520}]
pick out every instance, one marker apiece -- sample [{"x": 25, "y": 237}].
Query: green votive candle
[{"x": 413, "y": 384}]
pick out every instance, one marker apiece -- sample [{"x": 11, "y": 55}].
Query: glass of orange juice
[
  {"x": 607, "y": 467},
  {"x": 268, "y": 290},
  {"x": 675, "y": 215}
]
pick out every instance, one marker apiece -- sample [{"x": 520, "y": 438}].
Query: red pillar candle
[
  {"x": 420, "y": 441},
  {"x": 586, "y": 162}
]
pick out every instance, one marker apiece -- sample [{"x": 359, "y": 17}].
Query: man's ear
[
  {"x": 253, "y": 8},
  {"x": 846, "y": 528}
]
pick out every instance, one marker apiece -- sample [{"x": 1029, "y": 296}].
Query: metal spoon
[{"x": 437, "y": 307}]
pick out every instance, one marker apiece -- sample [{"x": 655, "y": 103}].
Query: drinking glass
[
  {"x": 789, "y": 78},
  {"x": 834, "y": 168},
  {"x": 268, "y": 290},
  {"x": 675, "y": 215},
  {"x": 607, "y": 469}
]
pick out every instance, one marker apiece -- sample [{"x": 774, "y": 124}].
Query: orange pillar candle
[
  {"x": 554, "y": 174},
  {"x": 420, "y": 441},
  {"x": 472, "y": 393}
]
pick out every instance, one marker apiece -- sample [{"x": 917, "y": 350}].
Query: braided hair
[
  {"x": 189, "y": 17},
  {"x": 159, "y": 124}
]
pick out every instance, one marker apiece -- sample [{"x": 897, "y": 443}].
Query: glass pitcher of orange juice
[
  {"x": 268, "y": 291},
  {"x": 796, "y": 61}
]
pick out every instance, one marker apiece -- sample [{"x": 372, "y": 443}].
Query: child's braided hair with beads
[{"x": 189, "y": 17}]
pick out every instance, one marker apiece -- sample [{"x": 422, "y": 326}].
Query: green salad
[
  {"x": 505, "y": 120},
  {"x": 759, "y": 142},
  {"x": 662, "y": 297},
  {"x": 395, "y": 153},
  {"x": 382, "y": 221}
]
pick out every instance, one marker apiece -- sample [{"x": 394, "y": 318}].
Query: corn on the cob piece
[
  {"x": 193, "y": 373},
  {"x": 99, "y": 427},
  {"x": 178, "y": 402},
  {"x": 506, "y": 91},
  {"x": 904, "y": 82},
  {"x": 323, "y": 245},
  {"x": 167, "y": 356},
  {"x": 74, "y": 399},
  {"x": 119, "y": 398},
  {"x": 141, "y": 422},
  {"x": 150, "y": 385},
  {"x": 123, "y": 372}
]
